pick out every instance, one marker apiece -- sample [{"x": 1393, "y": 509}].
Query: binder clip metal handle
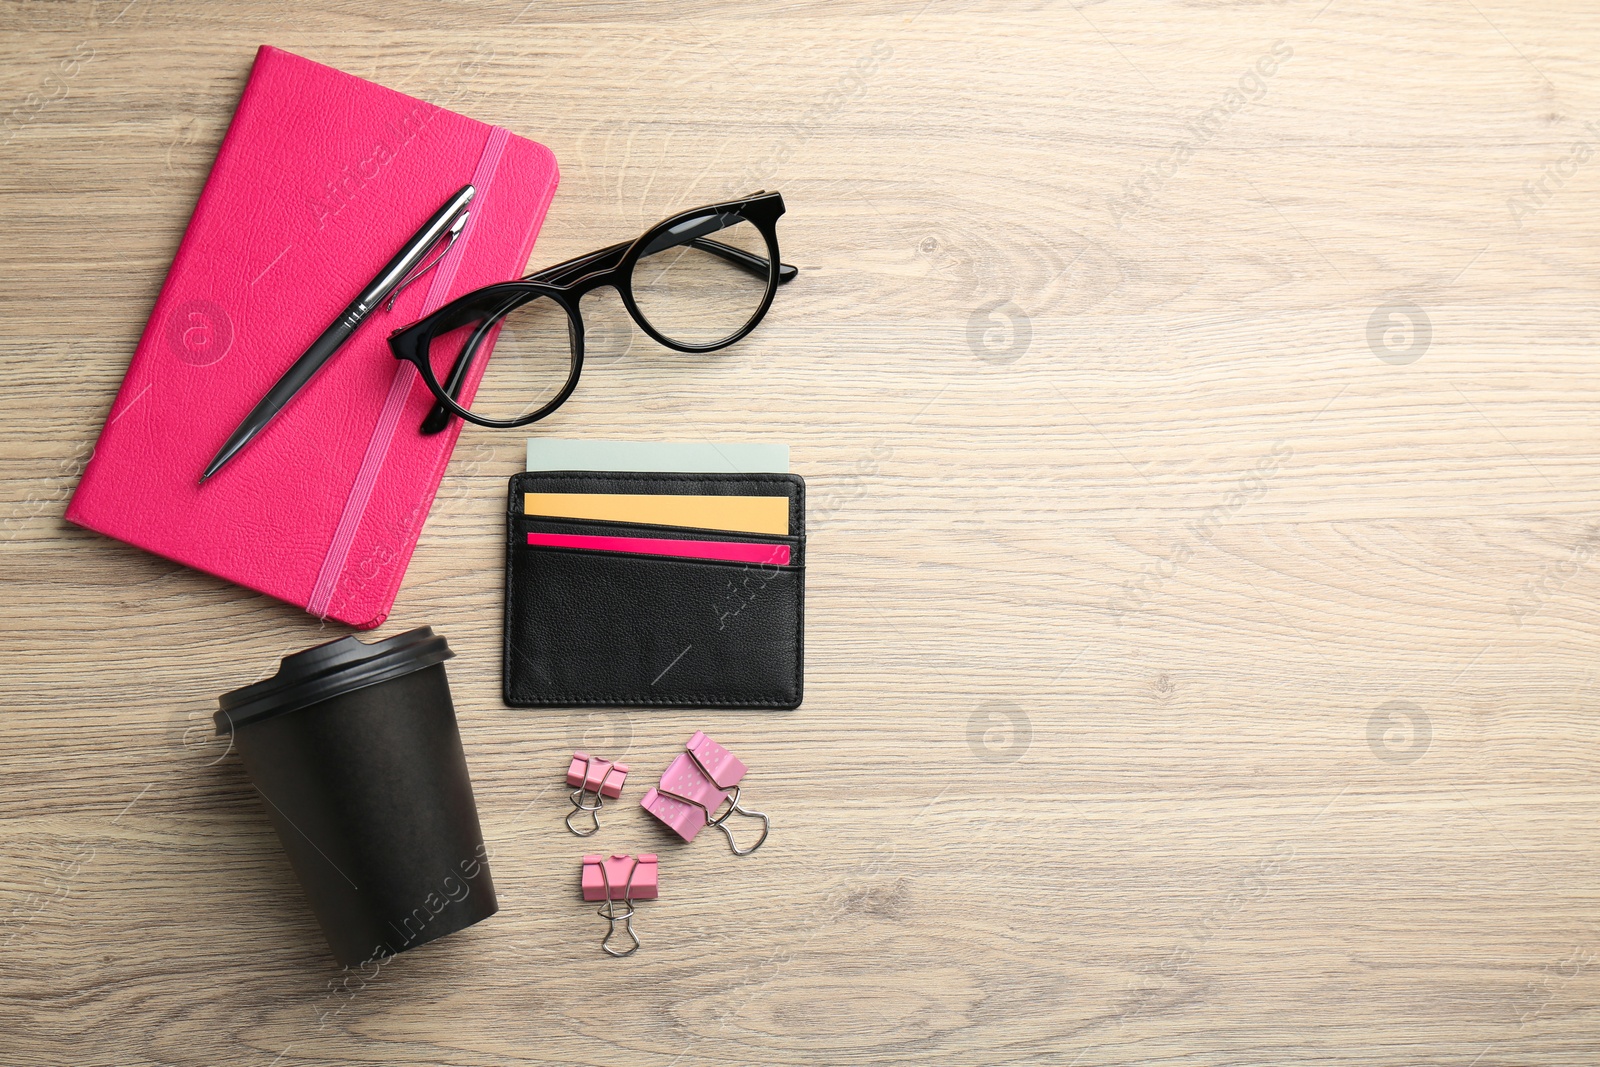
[
  {"x": 579, "y": 808},
  {"x": 594, "y": 778},
  {"x": 721, "y": 823},
  {"x": 695, "y": 787},
  {"x": 608, "y": 911},
  {"x": 617, "y": 907}
]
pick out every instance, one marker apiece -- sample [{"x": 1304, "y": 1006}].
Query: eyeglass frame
[{"x": 566, "y": 283}]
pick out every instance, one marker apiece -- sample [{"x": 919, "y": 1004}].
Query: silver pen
[{"x": 448, "y": 220}]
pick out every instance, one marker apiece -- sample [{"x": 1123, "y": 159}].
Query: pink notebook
[{"x": 321, "y": 178}]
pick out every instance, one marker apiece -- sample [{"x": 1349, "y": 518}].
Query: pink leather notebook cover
[{"x": 321, "y": 178}]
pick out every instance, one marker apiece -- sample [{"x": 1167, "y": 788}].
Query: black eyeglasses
[{"x": 684, "y": 289}]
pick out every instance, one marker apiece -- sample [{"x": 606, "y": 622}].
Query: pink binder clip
[
  {"x": 593, "y": 775},
  {"x": 619, "y": 878},
  {"x": 697, "y": 783}
]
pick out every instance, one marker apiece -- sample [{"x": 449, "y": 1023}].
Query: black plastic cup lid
[{"x": 330, "y": 670}]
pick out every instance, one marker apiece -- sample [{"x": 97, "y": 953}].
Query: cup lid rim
[{"x": 330, "y": 669}]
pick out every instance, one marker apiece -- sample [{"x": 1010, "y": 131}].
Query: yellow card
[{"x": 744, "y": 514}]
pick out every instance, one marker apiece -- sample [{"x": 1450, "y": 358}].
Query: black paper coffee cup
[{"x": 356, "y": 751}]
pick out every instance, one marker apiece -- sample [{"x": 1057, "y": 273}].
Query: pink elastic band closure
[
  {"x": 728, "y": 551},
  {"x": 405, "y": 376}
]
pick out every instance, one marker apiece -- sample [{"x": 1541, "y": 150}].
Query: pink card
[{"x": 730, "y": 551}]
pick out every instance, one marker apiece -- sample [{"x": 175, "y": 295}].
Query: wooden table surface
[{"x": 1197, "y": 405}]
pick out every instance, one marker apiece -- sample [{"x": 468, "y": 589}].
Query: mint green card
[{"x": 671, "y": 457}]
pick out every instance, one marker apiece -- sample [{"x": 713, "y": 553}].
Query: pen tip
[{"x": 218, "y": 461}]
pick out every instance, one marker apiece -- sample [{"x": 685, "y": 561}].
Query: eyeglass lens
[
  {"x": 532, "y": 357},
  {"x": 688, "y": 286}
]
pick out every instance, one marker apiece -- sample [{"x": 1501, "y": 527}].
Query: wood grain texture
[{"x": 1201, "y": 653}]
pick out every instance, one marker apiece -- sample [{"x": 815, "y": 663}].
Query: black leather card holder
[{"x": 591, "y": 628}]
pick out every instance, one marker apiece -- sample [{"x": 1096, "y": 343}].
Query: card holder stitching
[
  {"x": 693, "y": 700},
  {"x": 514, "y": 511},
  {"x": 614, "y": 701},
  {"x": 792, "y": 480}
]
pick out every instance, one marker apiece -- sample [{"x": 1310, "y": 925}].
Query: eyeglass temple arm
[
  {"x": 756, "y": 265},
  {"x": 693, "y": 233},
  {"x": 606, "y": 258}
]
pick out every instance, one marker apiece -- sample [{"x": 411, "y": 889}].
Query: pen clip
[{"x": 423, "y": 268}]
